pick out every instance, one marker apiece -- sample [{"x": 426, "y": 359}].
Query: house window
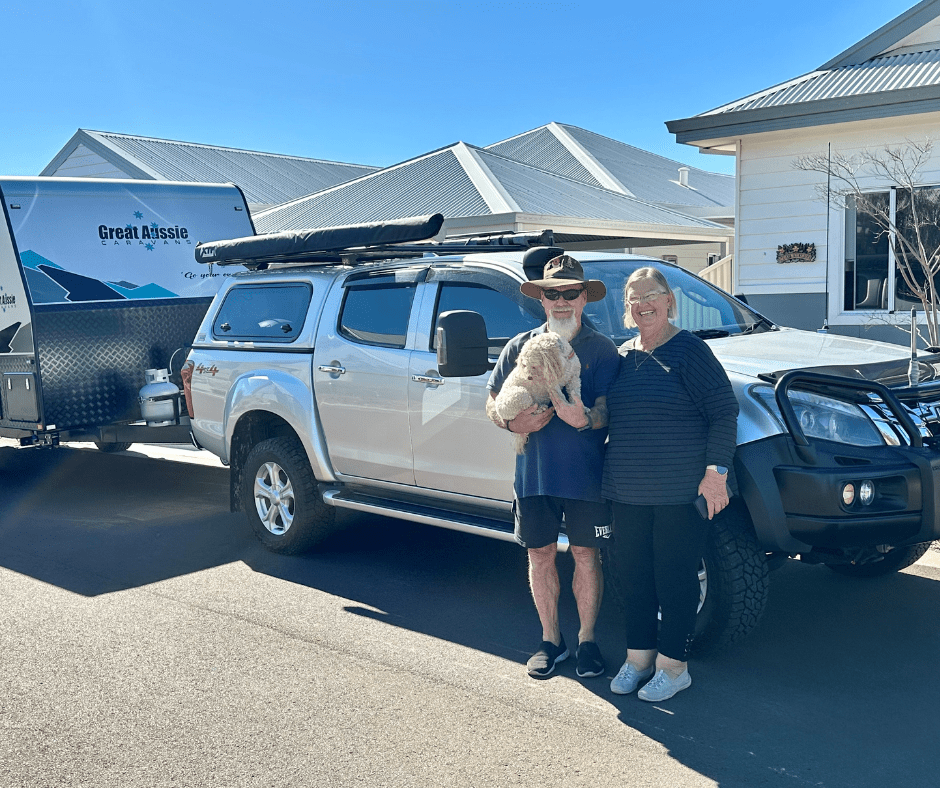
[
  {"x": 671, "y": 258},
  {"x": 879, "y": 274}
]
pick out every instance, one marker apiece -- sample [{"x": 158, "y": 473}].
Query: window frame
[{"x": 221, "y": 336}]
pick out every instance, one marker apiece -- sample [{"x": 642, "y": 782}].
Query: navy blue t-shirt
[{"x": 559, "y": 460}]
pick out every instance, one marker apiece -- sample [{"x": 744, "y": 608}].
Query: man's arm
[{"x": 525, "y": 422}]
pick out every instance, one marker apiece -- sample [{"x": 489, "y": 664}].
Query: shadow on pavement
[{"x": 836, "y": 687}]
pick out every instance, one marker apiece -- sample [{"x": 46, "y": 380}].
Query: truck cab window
[
  {"x": 269, "y": 313},
  {"x": 505, "y": 318},
  {"x": 377, "y": 313}
]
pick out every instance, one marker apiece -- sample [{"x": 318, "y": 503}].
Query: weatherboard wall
[{"x": 781, "y": 204}]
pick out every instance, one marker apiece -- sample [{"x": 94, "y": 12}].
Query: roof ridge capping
[{"x": 886, "y": 36}]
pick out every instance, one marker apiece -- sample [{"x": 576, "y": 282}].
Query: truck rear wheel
[
  {"x": 112, "y": 447},
  {"x": 280, "y": 497},
  {"x": 733, "y": 581},
  {"x": 893, "y": 561}
]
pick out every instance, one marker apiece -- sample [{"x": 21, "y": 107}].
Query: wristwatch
[
  {"x": 721, "y": 470},
  {"x": 589, "y": 425}
]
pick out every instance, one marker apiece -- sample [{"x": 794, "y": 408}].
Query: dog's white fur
[{"x": 523, "y": 388}]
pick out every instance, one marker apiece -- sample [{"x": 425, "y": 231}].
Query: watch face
[{"x": 721, "y": 469}]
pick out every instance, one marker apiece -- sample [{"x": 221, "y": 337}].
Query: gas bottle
[{"x": 159, "y": 399}]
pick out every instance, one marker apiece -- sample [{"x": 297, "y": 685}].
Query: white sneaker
[
  {"x": 629, "y": 678},
  {"x": 661, "y": 687}
]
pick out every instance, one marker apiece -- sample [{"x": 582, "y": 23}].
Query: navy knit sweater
[{"x": 672, "y": 413}]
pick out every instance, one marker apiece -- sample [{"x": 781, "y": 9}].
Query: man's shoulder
[{"x": 597, "y": 342}]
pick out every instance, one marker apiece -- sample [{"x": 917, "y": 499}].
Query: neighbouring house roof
[
  {"x": 585, "y": 156},
  {"x": 479, "y": 190},
  {"x": 265, "y": 178},
  {"x": 893, "y": 72}
]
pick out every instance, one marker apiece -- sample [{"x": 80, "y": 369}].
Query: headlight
[{"x": 824, "y": 417}]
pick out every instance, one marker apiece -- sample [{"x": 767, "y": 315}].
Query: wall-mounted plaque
[{"x": 796, "y": 253}]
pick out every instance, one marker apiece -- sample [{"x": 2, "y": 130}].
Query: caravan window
[{"x": 269, "y": 313}]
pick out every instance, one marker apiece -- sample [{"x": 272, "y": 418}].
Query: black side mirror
[{"x": 462, "y": 344}]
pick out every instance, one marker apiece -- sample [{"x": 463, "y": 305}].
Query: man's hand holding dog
[
  {"x": 530, "y": 421},
  {"x": 572, "y": 413}
]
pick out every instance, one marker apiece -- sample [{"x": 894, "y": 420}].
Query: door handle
[
  {"x": 337, "y": 370},
  {"x": 428, "y": 379}
]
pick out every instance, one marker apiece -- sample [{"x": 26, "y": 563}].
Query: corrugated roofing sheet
[
  {"x": 264, "y": 177},
  {"x": 542, "y": 149},
  {"x": 655, "y": 178},
  {"x": 436, "y": 183},
  {"x": 640, "y": 173},
  {"x": 878, "y": 75},
  {"x": 541, "y": 192}
]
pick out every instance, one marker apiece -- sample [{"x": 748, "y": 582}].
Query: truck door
[
  {"x": 456, "y": 447},
  {"x": 360, "y": 375}
]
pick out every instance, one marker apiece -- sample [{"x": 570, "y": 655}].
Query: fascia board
[
  {"x": 78, "y": 138},
  {"x": 119, "y": 158},
  {"x": 886, "y": 36},
  {"x": 908, "y": 101}
]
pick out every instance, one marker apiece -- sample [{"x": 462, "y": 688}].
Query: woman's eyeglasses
[
  {"x": 568, "y": 295},
  {"x": 646, "y": 299}
]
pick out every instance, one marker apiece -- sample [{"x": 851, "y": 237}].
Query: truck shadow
[{"x": 836, "y": 687}]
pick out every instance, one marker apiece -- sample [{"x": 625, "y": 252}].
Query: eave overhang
[{"x": 711, "y": 130}]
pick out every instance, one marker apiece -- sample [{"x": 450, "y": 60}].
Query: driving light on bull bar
[
  {"x": 866, "y": 492},
  {"x": 848, "y": 494}
]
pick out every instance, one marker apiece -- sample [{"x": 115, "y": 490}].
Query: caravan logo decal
[{"x": 149, "y": 236}]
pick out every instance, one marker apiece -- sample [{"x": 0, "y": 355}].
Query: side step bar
[{"x": 455, "y": 521}]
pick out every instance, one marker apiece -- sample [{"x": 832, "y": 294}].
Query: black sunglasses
[{"x": 568, "y": 295}]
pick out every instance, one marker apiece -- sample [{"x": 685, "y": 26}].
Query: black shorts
[{"x": 539, "y": 520}]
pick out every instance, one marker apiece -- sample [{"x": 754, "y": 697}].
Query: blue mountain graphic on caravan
[{"x": 51, "y": 283}]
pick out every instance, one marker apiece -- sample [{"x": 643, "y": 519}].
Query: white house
[{"x": 882, "y": 92}]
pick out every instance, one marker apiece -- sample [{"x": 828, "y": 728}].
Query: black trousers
[{"x": 658, "y": 550}]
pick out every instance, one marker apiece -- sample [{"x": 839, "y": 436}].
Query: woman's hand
[
  {"x": 714, "y": 486},
  {"x": 529, "y": 421},
  {"x": 571, "y": 413}
]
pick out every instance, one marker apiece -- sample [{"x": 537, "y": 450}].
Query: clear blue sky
[{"x": 378, "y": 82}]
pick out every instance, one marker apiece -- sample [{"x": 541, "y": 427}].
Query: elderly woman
[{"x": 673, "y": 421}]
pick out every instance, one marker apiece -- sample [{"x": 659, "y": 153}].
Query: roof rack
[{"x": 357, "y": 243}]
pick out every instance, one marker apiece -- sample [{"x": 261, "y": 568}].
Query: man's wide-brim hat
[{"x": 562, "y": 272}]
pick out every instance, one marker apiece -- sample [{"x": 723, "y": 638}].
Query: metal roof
[
  {"x": 601, "y": 161},
  {"x": 465, "y": 181},
  {"x": 878, "y": 75},
  {"x": 265, "y": 178},
  {"x": 891, "y": 73}
]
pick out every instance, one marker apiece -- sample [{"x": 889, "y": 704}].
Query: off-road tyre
[
  {"x": 733, "y": 578},
  {"x": 736, "y": 581},
  {"x": 894, "y": 561},
  {"x": 280, "y": 498},
  {"x": 112, "y": 447}
]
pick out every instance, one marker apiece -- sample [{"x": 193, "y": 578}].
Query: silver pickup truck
[{"x": 356, "y": 378}]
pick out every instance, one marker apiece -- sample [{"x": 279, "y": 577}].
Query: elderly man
[{"x": 558, "y": 477}]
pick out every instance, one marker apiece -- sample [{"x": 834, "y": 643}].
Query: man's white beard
[{"x": 566, "y": 328}]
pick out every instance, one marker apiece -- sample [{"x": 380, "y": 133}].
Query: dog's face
[{"x": 542, "y": 363}]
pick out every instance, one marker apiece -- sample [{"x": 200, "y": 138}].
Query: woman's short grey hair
[{"x": 646, "y": 273}]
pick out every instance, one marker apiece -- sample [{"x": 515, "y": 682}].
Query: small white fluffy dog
[{"x": 545, "y": 364}]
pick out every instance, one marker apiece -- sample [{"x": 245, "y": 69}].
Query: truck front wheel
[{"x": 280, "y": 497}]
